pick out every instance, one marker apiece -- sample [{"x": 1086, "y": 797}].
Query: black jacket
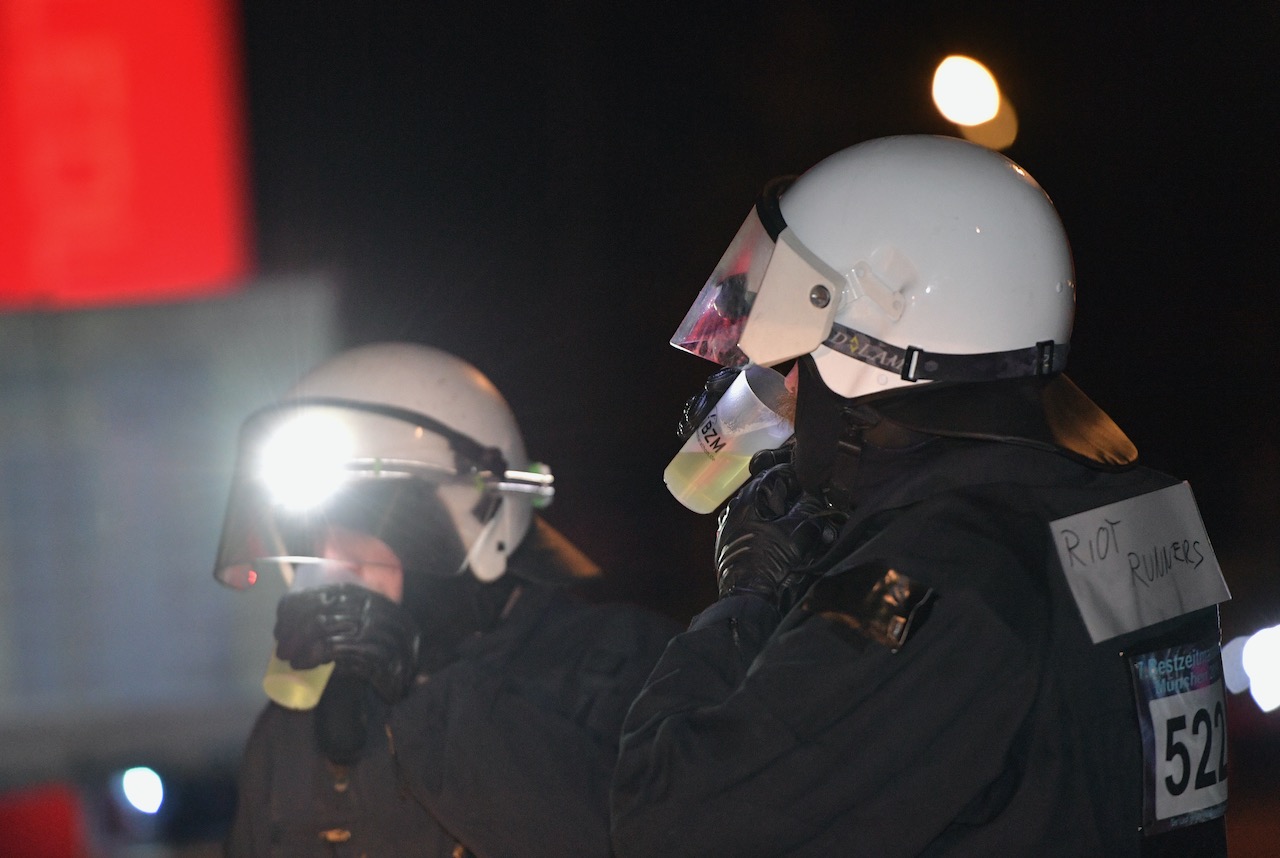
[
  {"x": 999, "y": 728},
  {"x": 507, "y": 751}
]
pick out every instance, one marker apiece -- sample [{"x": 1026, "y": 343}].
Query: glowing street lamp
[
  {"x": 1261, "y": 657},
  {"x": 1253, "y": 663},
  {"x": 143, "y": 789},
  {"x": 965, "y": 92}
]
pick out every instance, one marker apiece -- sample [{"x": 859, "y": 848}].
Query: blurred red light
[
  {"x": 122, "y": 178},
  {"x": 43, "y": 821}
]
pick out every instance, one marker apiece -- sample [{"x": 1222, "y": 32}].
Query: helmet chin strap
[
  {"x": 831, "y": 433},
  {"x": 481, "y": 540},
  {"x": 838, "y": 489},
  {"x": 828, "y": 437}
]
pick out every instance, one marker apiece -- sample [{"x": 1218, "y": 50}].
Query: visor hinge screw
[{"x": 820, "y": 296}]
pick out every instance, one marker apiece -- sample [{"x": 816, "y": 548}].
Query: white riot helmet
[
  {"x": 895, "y": 261},
  {"x": 399, "y": 416}
]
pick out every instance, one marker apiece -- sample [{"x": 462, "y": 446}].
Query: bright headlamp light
[
  {"x": 299, "y": 462},
  {"x": 303, "y": 462}
]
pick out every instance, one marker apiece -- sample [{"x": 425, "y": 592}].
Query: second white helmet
[{"x": 378, "y": 415}]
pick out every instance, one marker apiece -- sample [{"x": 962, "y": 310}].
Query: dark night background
[{"x": 542, "y": 187}]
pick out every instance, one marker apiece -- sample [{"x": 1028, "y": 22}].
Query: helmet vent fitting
[{"x": 889, "y": 300}]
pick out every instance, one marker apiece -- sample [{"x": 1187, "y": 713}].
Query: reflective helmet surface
[
  {"x": 897, "y": 261},
  {"x": 422, "y": 438}
]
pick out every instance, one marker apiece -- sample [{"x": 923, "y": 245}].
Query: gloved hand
[
  {"x": 767, "y": 531},
  {"x": 766, "y": 459},
  {"x": 699, "y": 406},
  {"x": 364, "y": 633}
]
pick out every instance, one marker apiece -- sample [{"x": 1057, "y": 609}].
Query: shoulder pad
[{"x": 872, "y": 600}]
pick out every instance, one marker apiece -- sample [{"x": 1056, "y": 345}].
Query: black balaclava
[
  {"x": 830, "y": 433},
  {"x": 448, "y": 605}
]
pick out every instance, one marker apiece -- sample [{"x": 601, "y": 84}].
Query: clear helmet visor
[
  {"x": 768, "y": 300},
  {"x": 304, "y": 469},
  {"x": 714, "y": 325}
]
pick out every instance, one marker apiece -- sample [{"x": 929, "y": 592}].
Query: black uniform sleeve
[
  {"x": 817, "y": 742},
  {"x": 250, "y": 826},
  {"x": 516, "y": 759}
]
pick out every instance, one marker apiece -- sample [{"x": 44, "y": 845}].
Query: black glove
[
  {"x": 766, "y": 459},
  {"x": 767, "y": 531},
  {"x": 364, "y": 633},
  {"x": 697, "y": 407}
]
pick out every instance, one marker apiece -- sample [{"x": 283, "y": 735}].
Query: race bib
[{"x": 1183, "y": 717}]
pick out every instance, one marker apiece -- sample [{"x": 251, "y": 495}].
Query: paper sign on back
[{"x": 1139, "y": 561}]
